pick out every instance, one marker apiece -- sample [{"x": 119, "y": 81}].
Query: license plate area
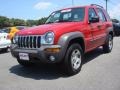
[{"x": 24, "y": 56}]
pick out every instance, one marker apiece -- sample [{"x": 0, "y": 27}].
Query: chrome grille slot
[
  {"x": 27, "y": 41},
  {"x": 18, "y": 41},
  {"x": 24, "y": 42},
  {"x": 31, "y": 41},
  {"x": 38, "y": 40},
  {"x": 34, "y": 42},
  {"x": 21, "y": 42}
]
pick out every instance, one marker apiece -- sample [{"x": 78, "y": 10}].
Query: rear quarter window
[
  {"x": 107, "y": 15},
  {"x": 101, "y": 15}
]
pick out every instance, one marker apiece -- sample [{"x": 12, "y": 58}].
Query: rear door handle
[{"x": 99, "y": 26}]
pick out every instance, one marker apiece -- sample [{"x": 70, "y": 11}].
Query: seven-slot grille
[{"x": 29, "y": 41}]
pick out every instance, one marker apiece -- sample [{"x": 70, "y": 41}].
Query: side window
[
  {"x": 92, "y": 13},
  {"x": 107, "y": 16},
  {"x": 66, "y": 16},
  {"x": 101, "y": 15}
]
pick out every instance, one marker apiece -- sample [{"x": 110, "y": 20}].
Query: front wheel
[
  {"x": 73, "y": 59},
  {"x": 109, "y": 45}
]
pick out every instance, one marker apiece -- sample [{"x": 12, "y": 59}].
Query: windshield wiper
[
  {"x": 68, "y": 21},
  {"x": 64, "y": 21},
  {"x": 49, "y": 22}
]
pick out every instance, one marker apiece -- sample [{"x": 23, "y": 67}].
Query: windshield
[{"x": 68, "y": 15}]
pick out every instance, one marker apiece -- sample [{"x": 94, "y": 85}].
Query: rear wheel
[
  {"x": 109, "y": 45},
  {"x": 25, "y": 63},
  {"x": 73, "y": 59}
]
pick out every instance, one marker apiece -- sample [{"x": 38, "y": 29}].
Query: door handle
[{"x": 99, "y": 26}]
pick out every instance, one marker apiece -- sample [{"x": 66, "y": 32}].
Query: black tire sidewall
[
  {"x": 68, "y": 64},
  {"x": 106, "y": 48}
]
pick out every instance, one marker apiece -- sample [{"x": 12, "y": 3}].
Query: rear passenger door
[
  {"x": 97, "y": 29},
  {"x": 94, "y": 28},
  {"x": 102, "y": 25}
]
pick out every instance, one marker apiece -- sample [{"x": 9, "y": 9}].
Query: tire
[
  {"x": 71, "y": 64},
  {"x": 25, "y": 63},
  {"x": 107, "y": 48}
]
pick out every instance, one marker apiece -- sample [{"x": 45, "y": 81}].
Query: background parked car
[
  {"x": 13, "y": 30},
  {"x": 4, "y": 41},
  {"x": 116, "y": 26}
]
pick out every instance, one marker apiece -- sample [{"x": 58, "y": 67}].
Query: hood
[{"x": 54, "y": 27}]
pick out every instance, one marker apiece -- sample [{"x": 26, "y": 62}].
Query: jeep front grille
[{"x": 29, "y": 42}]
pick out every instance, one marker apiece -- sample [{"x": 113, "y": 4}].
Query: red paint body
[{"x": 93, "y": 36}]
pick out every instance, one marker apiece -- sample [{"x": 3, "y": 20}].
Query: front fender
[{"x": 66, "y": 38}]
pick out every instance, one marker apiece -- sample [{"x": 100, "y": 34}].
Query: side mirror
[{"x": 94, "y": 19}]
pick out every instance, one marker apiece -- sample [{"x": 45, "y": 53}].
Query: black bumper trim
[{"x": 39, "y": 55}]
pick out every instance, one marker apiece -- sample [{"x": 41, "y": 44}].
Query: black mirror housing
[{"x": 94, "y": 19}]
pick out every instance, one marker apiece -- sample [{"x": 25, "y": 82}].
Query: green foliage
[
  {"x": 31, "y": 22},
  {"x": 42, "y": 21},
  {"x": 17, "y": 22},
  {"x": 6, "y": 22}
]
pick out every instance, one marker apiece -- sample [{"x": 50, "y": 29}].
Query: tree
[
  {"x": 17, "y": 22},
  {"x": 31, "y": 22},
  {"x": 42, "y": 21},
  {"x": 4, "y": 22}
]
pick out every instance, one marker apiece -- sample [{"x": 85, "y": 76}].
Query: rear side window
[
  {"x": 101, "y": 15},
  {"x": 66, "y": 16},
  {"x": 92, "y": 13},
  {"x": 107, "y": 16}
]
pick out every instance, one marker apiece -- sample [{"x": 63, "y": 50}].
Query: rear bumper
[{"x": 39, "y": 55}]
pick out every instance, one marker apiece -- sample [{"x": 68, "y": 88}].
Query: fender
[
  {"x": 108, "y": 31},
  {"x": 66, "y": 38}
]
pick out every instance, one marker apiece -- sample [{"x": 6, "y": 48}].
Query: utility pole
[
  {"x": 106, "y": 1},
  {"x": 72, "y": 2}
]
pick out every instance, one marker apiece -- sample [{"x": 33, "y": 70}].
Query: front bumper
[{"x": 40, "y": 54}]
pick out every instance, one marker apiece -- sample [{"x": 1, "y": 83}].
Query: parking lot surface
[{"x": 99, "y": 72}]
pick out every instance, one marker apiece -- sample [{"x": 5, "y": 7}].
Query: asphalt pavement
[{"x": 99, "y": 72}]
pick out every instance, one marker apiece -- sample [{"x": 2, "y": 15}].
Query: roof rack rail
[{"x": 96, "y": 5}]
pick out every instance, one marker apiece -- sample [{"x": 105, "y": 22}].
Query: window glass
[
  {"x": 101, "y": 15},
  {"x": 68, "y": 15},
  {"x": 92, "y": 13}
]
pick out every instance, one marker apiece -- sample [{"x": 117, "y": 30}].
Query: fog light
[{"x": 52, "y": 58}]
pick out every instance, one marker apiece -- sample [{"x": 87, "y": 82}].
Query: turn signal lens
[{"x": 53, "y": 50}]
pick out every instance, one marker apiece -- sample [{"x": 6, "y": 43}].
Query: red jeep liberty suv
[{"x": 65, "y": 37}]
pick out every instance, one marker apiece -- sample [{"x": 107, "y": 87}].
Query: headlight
[
  {"x": 48, "y": 38},
  {"x": 15, "y": 39}
]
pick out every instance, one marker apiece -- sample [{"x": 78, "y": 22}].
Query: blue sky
[{"x": 35, "y": 9}]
